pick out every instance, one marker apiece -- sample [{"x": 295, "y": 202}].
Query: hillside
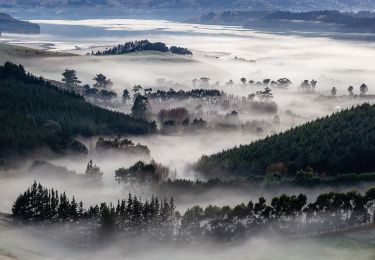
[
  {"x": 345, "y": 20},
  {"x": 233, "y": 18},
  {"x": 34, "y": 114},
  {"x": 342, "y": 21},
  {"x": 341, "y": 143},
  {"x": 18, "y": 54},
  {"x": 10, "y": 25}
]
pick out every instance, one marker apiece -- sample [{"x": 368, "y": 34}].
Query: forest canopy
[
  {"x": 143, "y": 45},
  {"x": 341, "y": 143},
  {"x": 35, "y": 114}
]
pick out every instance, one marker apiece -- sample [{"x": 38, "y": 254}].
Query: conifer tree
[{"x": 70, "y": 79}]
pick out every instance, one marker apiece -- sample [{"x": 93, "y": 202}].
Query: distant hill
[
  {"x": 341, "y": 143},
  {"x": 342, "y": 21},
  {"x": 10, "y": 25},
  {"x": 208, "y": 4},
  {"x": 361, "y": 21},
  {"x": 238, "y": 18},
  {"x": 36, "y": 115}
]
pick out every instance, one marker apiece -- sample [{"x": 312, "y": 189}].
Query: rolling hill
[
  {"x": 341, "y": 143},
  {"x": 10, "y": 25},
  {"x": 36, "y": 115}
]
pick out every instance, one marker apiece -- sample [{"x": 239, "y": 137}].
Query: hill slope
[
  {"x": 339, "y": 21},
  {"x": 341, "y": 143},
  {"x": 18, "y": 54},
  {"x": 34, "y": 115},
  {"x": 10, "y": 25},
  {"x": 345, "y": 20}
]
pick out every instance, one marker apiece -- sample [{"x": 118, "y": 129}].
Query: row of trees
[
  {"x": 363, "y": 89},
  {"x": 142, "y": 109},
  {"x": 305, "y": 86},
  {"x": 121, "y": 145},
  {"x": 72, "y": 82},
  {"x": 285, "y": 215},
  {"x": 308, "y": 86},
  {"x": 101, "y": 88},
  {"x": 96, "y": 93},
  {"x": 182, "y": 94},
  {"x": 178, "y": 119},
  {"x": 281, "y": 83},
  {"x": 204, "y": 82}
]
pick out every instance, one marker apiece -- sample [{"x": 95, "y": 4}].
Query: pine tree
[
  {"x": 141, "y": 107},
  {"x": 54, "y": 204},
  {"x": 73, "y": 209},
  {"x": 70, "y": 79},
  {"x": 93, "y": 171},
  {"x": 108, "y": 220},
  {"x": 64, "y": 207},
  {"x": 81, "y": 210},
  {"x": 101, "y": 81}
]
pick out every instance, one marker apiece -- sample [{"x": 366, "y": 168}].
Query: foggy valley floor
[{"x": 24, "y": 244}]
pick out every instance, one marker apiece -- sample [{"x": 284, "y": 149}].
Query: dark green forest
[
  {"x": 341, "y": 143},
  {"x": 35, "y": 114},
  {"x": 274, "y": 182}
]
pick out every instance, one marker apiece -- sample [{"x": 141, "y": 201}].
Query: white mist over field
[
  {"x": 332, "y": 247},
  {"x": 331, "y": 62}
]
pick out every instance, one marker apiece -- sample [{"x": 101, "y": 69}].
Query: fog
[
  {"x": 330, "y": 62},
  {"x": 333, "y": 63},
  {"x": 31, "y": 244}
]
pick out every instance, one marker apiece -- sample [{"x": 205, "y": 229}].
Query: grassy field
[
  {"x": 155, "y": 56},
  {"x": 16, "y": 53}
]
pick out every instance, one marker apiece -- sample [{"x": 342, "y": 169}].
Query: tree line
[
  {"x": 285, "y": 215},
  {"x": 274, "y": 182},
  {"x": 39, "y": 205},
  {"x": 100, "y": 89},
  {"x": 182, "y": 94},
  {"x": 122, "y": 145}
]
